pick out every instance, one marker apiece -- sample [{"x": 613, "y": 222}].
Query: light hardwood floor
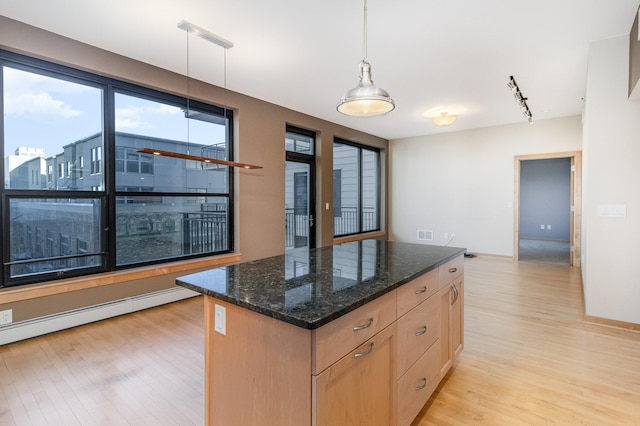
[{"x": 528, "y": 359}]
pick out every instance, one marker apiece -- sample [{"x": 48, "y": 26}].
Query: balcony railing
[
  {"x": 297, "y": 225},
  {"x": 204, "y": 232},
  {"x": 347, "y": 222}
]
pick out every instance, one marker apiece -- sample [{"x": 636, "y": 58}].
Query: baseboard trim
[
  {"x": 611, "y": 323},
  {"x": 494, "y": 256},
  {"x": 15, "y": 332}
]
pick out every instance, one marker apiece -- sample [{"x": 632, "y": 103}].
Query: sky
[{"x": 46, "y": 112}]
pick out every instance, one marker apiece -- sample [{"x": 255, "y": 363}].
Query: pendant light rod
[
  {"x": 205, "y": 34},
  {"x": 365, "y": 30}
]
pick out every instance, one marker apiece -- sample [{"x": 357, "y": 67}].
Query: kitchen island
[{"x": 356, "y": 333}]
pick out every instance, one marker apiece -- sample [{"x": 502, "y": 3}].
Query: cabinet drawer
[
  {"x": 417, "y": 385},
  {"x": 451, "y": 270},
  {"x": 417, "y": 291},
  {"x": 417, "y": 331},
  {"x": 334, "y": 340},
  {"x": 360, "y": 389}
]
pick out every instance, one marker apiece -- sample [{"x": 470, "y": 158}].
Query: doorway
[
  {"x": 300, "y": 195},
  {"x": 547, "y": 207}
]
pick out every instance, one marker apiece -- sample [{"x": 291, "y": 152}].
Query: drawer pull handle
[
  {"x": 362, "y": 327},
  {"x": 421, "y": 290},
  {"x": 422, "y": 330},
  {"x": 423, "y": 385},
  {"x": 456, "y": 293},
  {"x": 453, "y": 270},
  {"x": 367, "y": 352}
]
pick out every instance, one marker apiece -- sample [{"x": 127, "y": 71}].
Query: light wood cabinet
[
  {"x": 376, "y": 365},
  {"x": 451, "y": 313},
  {"x": 417, "y": 384},
  {"x": 418, "y": 344},
  {"x": 334, "y": 340},
  {"x": 360, "y": 388},
  {"x": 417, "y": 331},
  {"x": 417, "y": 291}
]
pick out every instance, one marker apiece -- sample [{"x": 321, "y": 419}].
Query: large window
[
  {"x": 356, "y": 188},
  {"x": 120, "y": 208}
]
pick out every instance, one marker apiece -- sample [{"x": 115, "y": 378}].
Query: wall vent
[{"x": 425, "y": 235}]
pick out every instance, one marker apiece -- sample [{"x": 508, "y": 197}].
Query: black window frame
[
  {"x": 362, "y": 147},
  {"x": 108, "y": 193},
  {"x": 310, "y": 160}
]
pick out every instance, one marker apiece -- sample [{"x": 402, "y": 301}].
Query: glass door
[
  {"x": 300, "y": 194},
  {"x": 299, "y": 208}
]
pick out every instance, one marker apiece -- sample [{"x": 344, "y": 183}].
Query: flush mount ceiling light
[
  {"x": 365, "y": 99},
  {"x": 520, "y": 99},
  {"x": 444, "y": 119},
  {"x": 226, "y": 44}
]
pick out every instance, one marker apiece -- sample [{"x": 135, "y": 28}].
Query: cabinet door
[
  {"x": 457, "y": 318},
  {"x": 451, "y": 323},
  {"x": 359, "y": 389},
  {"x": 446, "y": 356}
]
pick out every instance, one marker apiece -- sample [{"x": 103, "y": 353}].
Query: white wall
[
  {"x": 463, "y": 182},
  {"x": 611, "y": 176}
]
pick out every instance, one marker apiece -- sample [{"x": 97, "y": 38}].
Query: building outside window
[
  {"x": 96, "y": 160},
  {"x": 59, "y": 218},
  {"x": 356, "y": 188}
]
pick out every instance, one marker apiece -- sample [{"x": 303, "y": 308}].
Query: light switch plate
[
  {"x": 612, "y": 210},
  {"x": 220, "y": 320}
]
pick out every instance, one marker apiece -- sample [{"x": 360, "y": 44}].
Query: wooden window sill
[{"x": 32, "y": 291}]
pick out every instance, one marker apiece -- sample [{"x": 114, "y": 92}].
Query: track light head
[{"x": 520, "y": 99}]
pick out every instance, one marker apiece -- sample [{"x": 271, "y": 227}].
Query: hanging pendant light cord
[
  {"x": 224, "y": 81},
  {"x": 365, "y": 30},
  {"x": 188, "y": 105}
]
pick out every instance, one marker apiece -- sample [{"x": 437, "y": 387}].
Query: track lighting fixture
[{"x": 520, "y": 99}]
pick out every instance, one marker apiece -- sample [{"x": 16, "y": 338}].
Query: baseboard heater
[{"x": 48, "y": 324}]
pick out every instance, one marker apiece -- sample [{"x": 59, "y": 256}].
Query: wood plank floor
[
  {"x": 528, "y": 359},
  {"x": 145, "y": 368}
]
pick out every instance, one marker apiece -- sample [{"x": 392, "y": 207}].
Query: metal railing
[
  {"x": 204, "y": 232},
  {"x": 347, "y": 222},
  {"x": 297, "y": 226}
]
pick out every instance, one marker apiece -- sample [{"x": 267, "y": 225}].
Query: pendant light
[
  {"x": 226, "y": 44},
  {"x": 365, "y": 99}
]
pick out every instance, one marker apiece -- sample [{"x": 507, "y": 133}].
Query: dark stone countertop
[{"x": 312, "y": 288}]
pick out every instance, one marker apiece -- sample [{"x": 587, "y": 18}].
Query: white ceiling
[{"x": 456, "y": 54}]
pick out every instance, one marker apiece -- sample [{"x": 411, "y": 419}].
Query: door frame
[
  {"x": 575, "y": 237},
  {"x": 309, "y": 160}
]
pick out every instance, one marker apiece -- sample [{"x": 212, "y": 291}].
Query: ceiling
[{"x": 429, "y": 55}]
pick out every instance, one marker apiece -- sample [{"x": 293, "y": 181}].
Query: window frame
[
  {"x": 361, "y": 147},
  {"x": 107, "y": 194}
]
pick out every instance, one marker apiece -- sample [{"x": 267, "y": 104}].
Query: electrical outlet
[
  {"x": 548, "y": 226},
  {"x": 220, "y": 320},
  {"x": 541, "y": 226},
  {"x": 6, "y": 317},
  {"x": 446, "y": 236}
]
